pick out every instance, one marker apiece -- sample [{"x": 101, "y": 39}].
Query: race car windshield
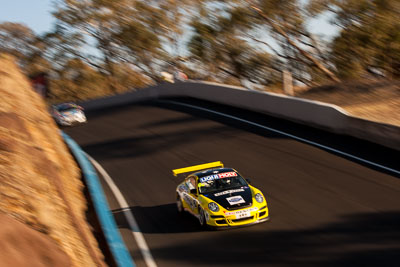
[
  {"x": 67, "y": 107},
  {"x": 221, "y": 184},
  {"x": 67, "y": 110}
]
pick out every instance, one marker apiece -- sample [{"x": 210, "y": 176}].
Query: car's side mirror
[
  {"x": 193, "y": 191},
  {"x": 248, "y": 180}
]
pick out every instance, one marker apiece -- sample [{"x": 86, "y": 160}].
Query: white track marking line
[
  {"x": 286, "y": 134},
  {"x": 137, "y": 234}
]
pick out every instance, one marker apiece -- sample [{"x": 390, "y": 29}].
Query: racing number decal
[
  {"x": 190, "y": 201},
  {"x": 187, "y": 199}
]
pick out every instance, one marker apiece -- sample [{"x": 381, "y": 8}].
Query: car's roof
[{"x": 213, "y": 171}]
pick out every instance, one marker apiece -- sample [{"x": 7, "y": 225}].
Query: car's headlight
[
  {"x": 259, "y": 198},
  {"x": 213, "y": 207}
]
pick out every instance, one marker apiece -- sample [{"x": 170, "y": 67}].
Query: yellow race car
[{"x": 219, "y": 197}]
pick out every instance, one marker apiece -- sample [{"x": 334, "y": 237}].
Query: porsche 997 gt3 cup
[
  {"x": 67, "y": 114},
  {"x": 220, "y": 197}
]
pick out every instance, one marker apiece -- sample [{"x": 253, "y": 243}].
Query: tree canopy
[
  {"x": 110, "y": 46},
  {"x": 369, "y": 40}
]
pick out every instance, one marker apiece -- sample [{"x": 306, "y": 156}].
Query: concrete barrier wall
[
  {"x": 384, "y": 134},
  {"x": 313, "y": 113}
]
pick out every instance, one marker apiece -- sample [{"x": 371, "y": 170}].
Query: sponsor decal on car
[
  {"x": 182, "y": 188},
  {"x": 227, "y": 174},
  {"x": 235, "y": 200},
  {"x": 190, "y": 201},
  {"x": 228, "y": 192},
  {"x": 217, "y": 176},
  {"x": 241, "y": 213},
  {"x": 209, "y": 178}
]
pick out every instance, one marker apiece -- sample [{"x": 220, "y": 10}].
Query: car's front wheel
[{"x": 202, "y": 219}]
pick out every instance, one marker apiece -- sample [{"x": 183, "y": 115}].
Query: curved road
[{"x": 325, "y": 210}]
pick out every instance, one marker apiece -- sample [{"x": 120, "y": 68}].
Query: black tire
[{"x": 202, "y": 219}]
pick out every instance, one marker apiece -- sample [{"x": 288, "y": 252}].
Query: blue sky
[{"x": 36, "y": 14}]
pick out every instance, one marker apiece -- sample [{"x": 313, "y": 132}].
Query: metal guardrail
[{"x": 106, "y": 219}]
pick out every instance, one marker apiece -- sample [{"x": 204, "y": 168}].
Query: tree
[
  {"x": 265, "y": 26},
  {"x": 370, "y": 37},
  {"x": 132, "y": 31},
  {"x": 139, "y": 46},
  {"x": 20, "y": 41},
  {"x": 218, "y": 46},
  {"x": 98, "y": 20},
  {"x": 285, "y": 19},
  {"x": 77, "y": 80},
  {"x": 16, "y": 39},
  {"x": 172, "y": 16}
]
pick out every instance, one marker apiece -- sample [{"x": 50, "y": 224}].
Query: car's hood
[{"x": 232, "y": 199}]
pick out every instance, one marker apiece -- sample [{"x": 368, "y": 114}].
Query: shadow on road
[
  {"x": 368, "y": 239},
  {"x": 141, "y": 145},
  {"x": 158, "y": 219}
]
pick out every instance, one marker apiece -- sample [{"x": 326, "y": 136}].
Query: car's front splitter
[{"x": 224, "y": 227}]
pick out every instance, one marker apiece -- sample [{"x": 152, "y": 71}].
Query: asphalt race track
[{"x": 326, "y": 210}]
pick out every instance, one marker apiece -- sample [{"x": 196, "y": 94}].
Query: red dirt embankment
[
  {"x": 42, "y": 207},
  {"x": 369, "y": 99}
]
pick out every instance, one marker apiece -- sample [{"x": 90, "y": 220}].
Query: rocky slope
[{"x": 42, "y": 207}]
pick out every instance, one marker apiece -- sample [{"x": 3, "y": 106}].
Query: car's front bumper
[
  {"x": 220, "y": 221},
  {"x": 72, "y": 121}
]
